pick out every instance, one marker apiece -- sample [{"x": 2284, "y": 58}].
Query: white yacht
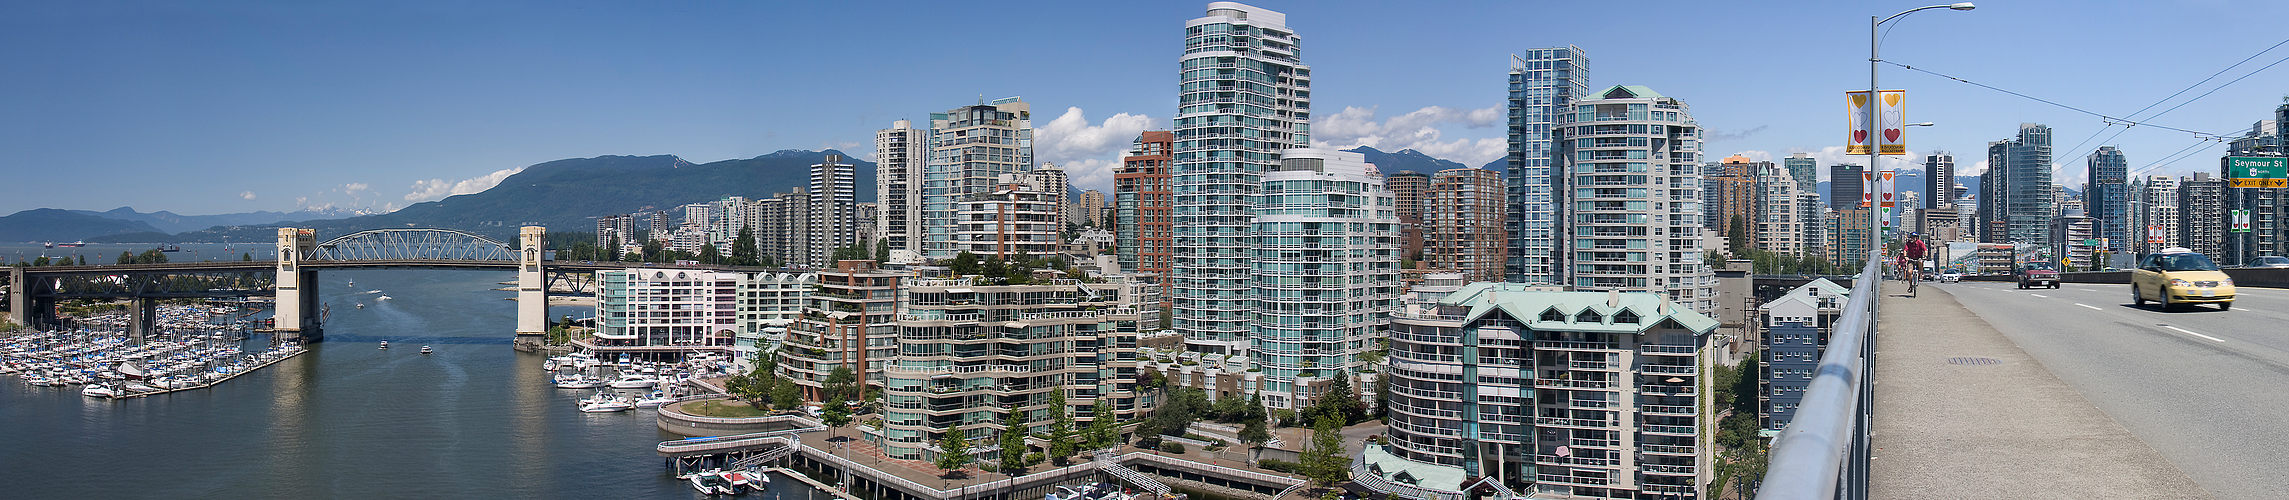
[
  {"x": 604, "y": 403},
  {"x": 578, "y": 382},
  {"x": 98, "y": 391},
  {"x": 655, "y": 400},
  {"x": 635, "y": 381}
]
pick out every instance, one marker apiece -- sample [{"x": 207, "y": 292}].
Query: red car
[{"x": 2037, "y": 275}]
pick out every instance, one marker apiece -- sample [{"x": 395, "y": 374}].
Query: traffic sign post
[{"x": 2257, "y": 171}]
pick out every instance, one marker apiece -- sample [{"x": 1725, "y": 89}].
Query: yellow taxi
[{"x": 2179, "y": 276}]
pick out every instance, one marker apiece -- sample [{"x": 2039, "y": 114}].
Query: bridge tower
[
  {"x": 297, "y": 308},
  {"x": 532, "y": 284},
  {"x": 31, "y": 299}
]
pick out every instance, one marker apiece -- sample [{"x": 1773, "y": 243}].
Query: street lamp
[{"x": 1876, "y": 238}]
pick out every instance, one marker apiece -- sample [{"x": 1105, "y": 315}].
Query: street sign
[
  {"x": 2257, "y": 183},
  {"x": 2090, "y": 242},
  {"x": 2257, "y": 171},
  {"x": 2241, "y": 221}
]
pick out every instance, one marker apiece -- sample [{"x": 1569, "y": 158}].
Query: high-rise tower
[
  {"x": 1632, "y": 157},
  {"x": 899, "y": 154},
  {"x": 1243, "y": 95},
  {"x": 2107, "y": 199},
  {"x": 1939, "y": 180},
  {"x": 1544, "y": 83},
  {"x": 970, "y": 148}
]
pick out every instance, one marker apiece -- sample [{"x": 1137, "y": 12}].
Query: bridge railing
[{"x": 1823, "y": 453}]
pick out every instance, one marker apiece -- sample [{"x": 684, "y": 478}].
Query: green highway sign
[{"x": 2256, "y": 167}]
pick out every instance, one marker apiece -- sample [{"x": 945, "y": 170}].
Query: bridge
[{"x": 34, "y": 291}]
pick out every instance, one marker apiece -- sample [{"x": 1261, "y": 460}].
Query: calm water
[{"x": 475, "y": 419}]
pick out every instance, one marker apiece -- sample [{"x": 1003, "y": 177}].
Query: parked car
[
  {"x": 2268, "y": 261},
  {"x": 2179, "y": 276},
  {"x": 1950, "y": 277},
  {"x": 2037, "y": 275}
]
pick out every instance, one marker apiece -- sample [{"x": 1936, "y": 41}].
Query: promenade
[{"x": 1962, "y": 412}]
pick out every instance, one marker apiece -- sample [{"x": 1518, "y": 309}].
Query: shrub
[
  {"x": 1278, "y": 465},
  {"x": 1172, "y": 447}
]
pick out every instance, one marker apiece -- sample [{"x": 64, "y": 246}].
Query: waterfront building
[
  {"x": 970, "y": 148},
  {"x": 1465, "y": 233},
  {"x": 1243, "y": 96},
  {"x": 2202, "y": 214},
  {"x": 1939, "y": 180},
  {"x": 971, "y": 350},
  {"x": 1796, "y": 328},
  {"x": 1326, "y": 271},
  {"x": 849, "y": 321},
  {"x": 1547, "y": 393},
  {"x": 899, "y": 154},
  {"x": 2157, "y": 214},
  {"x": 1544, "y": 83},
  {"x": 1632, "y": 156},
  {"x": 1015, "y": 219},
  {"x": 665, "y": 312},
  {"x": 768, "y": 303},
  {"x": 1141, "y": 198},
  {"x": 1409, "y": 192}
]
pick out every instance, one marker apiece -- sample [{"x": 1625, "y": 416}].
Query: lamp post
[{"x": 1875, "y": 237}]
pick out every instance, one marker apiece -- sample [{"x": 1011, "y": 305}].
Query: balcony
[
  {"x": 1666, "y": 350},
  {"x": 1670, "y": 369},
  {"x": 1582, "y": 423},
  {"x": 1546, "y": 383},
  {"x": 1667, "y": 410},
  {"x": 1669, "y": 430},
  {"x": 1668, "y": 470},
  {"x": 1573, "y": 480},
  {"x": 1582, "y": 461},
  {"x": 1561, "y": 345},
  {"x": 1666, "y": 449},
  {"x": 1667, "y": 390}
]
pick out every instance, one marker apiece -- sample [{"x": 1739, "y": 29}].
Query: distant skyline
[{"x": 240, "y": 106}]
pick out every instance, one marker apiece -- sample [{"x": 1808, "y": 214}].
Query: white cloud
[
  {"x": 439, "y": 188},
  {"x": 246, "y": 195},
  {"x": 1417, "y": 130},
  {"x": 354, "y": 187},
  {"x": 1088, "y": 153}
]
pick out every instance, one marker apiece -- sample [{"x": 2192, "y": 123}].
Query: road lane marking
[
  {"x": 2191, "y": 332},
  {"x": 2088, "y": 306},
  {"x": 2040, "y": 295}
]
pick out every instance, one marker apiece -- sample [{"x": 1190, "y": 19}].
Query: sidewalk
[{"x": 1962, "y": 412}]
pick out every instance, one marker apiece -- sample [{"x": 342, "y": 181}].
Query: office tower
[
  {"x": 1632, "y": 160},
  {"x": 1848, "y": 237},
  {"x": 833, "y": 211},
  {"x": 2027, "y": 200},
  {"x": 1805, "y": 170},
  {"x": 1326, "y": 271},
  {"x": 1465, "y": 232},
  {"x": 2268, "y": 208},
  {"x": 1015, "y": 219},
  {"x": 629, "y": 301},
  {"x": 1505, "y": 381},
  {"x": 1409, "y": 190},
  {"x": 849, "y": 321},
  {"x": 2157, "y": 214},
  {"x": 2106, "y": 199},
  {"x": 1774, "y": 217},
  {"x": 1991, "y": 188},
  {"x": 1810, "y": 213},
  {"x": 2070, "y": 237},
  {"x": 1544, "y": 83},
  {"x": 1141, "y": 199},
  {"x": 1845, "y": 185},
  {"x": 1092, "y": 209},
  {"x": 899, "y": 155},
  {"x": 1243, "y": 96},
  {"x": 2201, "y": 214},
  {"x": 1079, "y": 340},
  {"x": 970, "y": 148},
  {"x": 1939, "y": 180}
]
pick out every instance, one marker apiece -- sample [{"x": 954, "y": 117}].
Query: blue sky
[{"x": 211, "y": 107}]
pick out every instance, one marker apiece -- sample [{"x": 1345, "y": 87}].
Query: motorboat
[
  {"x": 99, "y": 391},
  {"x": 141, "y": 387},
  {"x": 604, "y": 403},
  {"x": 655, "y": 400},
  {"x": 635, "y": 382},
  {"x": 746, "y": 480},
  {"x": 425, "y": 349},
  {"x": 710, "y": 483},
  {"x": 578, "y": 382},
  {"x": 384, "y": 297},
  {"x": 385, "y": 344}
]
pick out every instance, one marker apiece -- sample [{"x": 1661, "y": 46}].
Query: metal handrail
[{"x": 1825, "y": 446}]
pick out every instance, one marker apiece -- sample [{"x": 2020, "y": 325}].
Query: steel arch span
[{"x": 413, "y": 244}]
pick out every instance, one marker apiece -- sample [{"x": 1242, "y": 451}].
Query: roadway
[{"x": 2207, "y": 389}]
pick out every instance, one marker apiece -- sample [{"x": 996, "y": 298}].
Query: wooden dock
[
  {"x": 815, "y": 484},
  {"x": 226, "y": 378}
]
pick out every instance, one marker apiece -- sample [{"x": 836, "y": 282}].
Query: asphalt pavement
[{"x": 2206, "y": 389}]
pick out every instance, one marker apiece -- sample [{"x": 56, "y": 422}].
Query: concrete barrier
[{"x": 2258, "y": 278}]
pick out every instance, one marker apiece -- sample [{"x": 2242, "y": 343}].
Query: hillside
[
  {"x": 49, "y": 224},
  {"x": 567, "y": 195},
  {"x": 171, "y": 222},
  {"x": 1405, "y": 160}
]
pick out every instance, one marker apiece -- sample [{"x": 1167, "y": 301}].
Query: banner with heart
[
  {"x": 1891, "y": 119},
  {"x": 1856, "y": 117}
]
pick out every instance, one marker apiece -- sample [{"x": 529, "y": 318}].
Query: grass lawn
[{"x": 721, "y": 408}]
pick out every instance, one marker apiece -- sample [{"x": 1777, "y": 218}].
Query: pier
[{"x": 226, "y": 378}]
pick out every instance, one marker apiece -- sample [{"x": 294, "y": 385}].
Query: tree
[
  {"x": 152, "y": 256},
  {"x": 1061, "y": 443},
  {"x": 1013, "y": 441},
  {"x": 243, "y": 257},
  {"x": 708, "y": 254},
  {"x": 1231, "y": 410},
  {"x": 841, "y": 385},
  {"x": 82, "y": 259},
  {"x": 1254, "y": 434},
  {"x": 1737, "y": 236},
  {"x": 1338, "y": 401},
  {"x": 835, "y": 416},
  {"x": 1102, "y": 433},
  {"x": 1383, "y": 396},
  {"x": 653, "y": 251},
  {"x": 882, "y": 250},
  {"x": 42, "y": 261},
  {"x": 785, "y": 395},
  {"x": 612, "y": 252},
  {"x": 965, "y": 264},
  {"x": 743, "y": 249},
  {"x": 125, "y": 258},
  {"x": 954, "y": 451},
  {"x": 1324, "y": 462}
]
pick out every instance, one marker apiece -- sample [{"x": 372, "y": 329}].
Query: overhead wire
[
  {"x": 2134, "y": 114},
  {"x": 2103, "y": 116}
]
